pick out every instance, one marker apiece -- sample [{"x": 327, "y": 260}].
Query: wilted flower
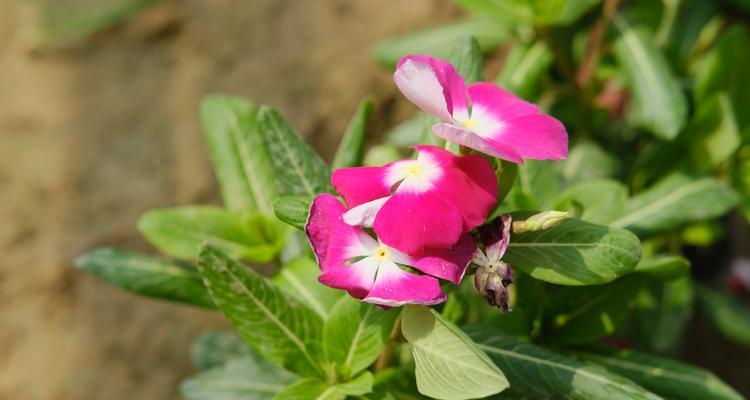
[
  {"x": 493, "y": 276},
  {"x": 483, "y": 117},
  {"x": 350, "y": 259},
  {"x": 427, "y": 202}
]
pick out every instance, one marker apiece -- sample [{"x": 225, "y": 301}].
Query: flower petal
[
  {"x": 357, "y": 278},
  {"x": 364, "y": 214},
  {"x": 358, "y": 185},
  {"x": 333, "y": 241},
  {"x": 505, "y": 120},
  {"x": 447, "y": 263},
  {"x": 412, "y": 221},
  {"x": 395, "y": 287},
  {"x": 491, "y": 102},
  {"x": 471, "y": 140},
  {"x": 472, "y": 187},
  {"x": 495, "y": 236},
  {"x": 433, "y": 85},
  {"x": 539, "y": 137}
]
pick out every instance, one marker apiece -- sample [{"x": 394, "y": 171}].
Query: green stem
[{"x": 384, "y": 361}]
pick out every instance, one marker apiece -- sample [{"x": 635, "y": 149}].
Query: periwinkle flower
[
  {"x": 493, "y": 276},
  {"x": 483, "y": 116}
]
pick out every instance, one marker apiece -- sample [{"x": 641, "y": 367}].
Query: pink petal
[
  {"x": 333, "y": 241},
  {"x": 491, "y": 101},
  {"x": 505, "y": 120},
  {"x": 536, "y": 136},
  {"x": 395, "y": 287},
  {"x": 359, "y": 185},
  {"x": 447, "y": 263},
  {"x": 471, "y": 185},
  {"x": 433, "y": 85},
  {"x": 471, "y": 140},
  {"x": 412, "y": 221},
  {"x": 357, "y": 278}
]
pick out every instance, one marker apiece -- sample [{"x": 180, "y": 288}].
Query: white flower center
[{"x": 417, "y": 175}]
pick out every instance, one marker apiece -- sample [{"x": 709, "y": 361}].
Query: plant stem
[
  {"x": 593, "y": 48},
  {"x": 384, "y": 361}
]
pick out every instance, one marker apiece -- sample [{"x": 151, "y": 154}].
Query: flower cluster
[{"x": 408, "y": 224}]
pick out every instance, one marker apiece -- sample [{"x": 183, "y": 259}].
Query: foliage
[{"x": 652, "y": 95}]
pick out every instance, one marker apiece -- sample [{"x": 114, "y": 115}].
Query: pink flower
[
  {"x": 427, "y": 202},
  {"x": 352, "y": 260},
  {"x": 485, "y": 117}
]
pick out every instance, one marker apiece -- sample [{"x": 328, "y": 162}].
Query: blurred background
[{"x": 99, "y": 123}]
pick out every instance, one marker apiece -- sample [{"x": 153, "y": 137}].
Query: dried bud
[
  {"x": 541, "y": 221},
  {"x": 492, "y": 282}
]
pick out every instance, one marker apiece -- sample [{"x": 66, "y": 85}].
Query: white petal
[
  {"x": 364, "y": 214},
  {"x": 418, "y": 82}
]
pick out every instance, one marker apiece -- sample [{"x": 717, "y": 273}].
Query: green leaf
[
  {"x": 524, "y": 68},
  {"x": 355, "y": 334},
  {"x": 537, "y": 12},
  {"x": 506, "y": 177},
  {"x": 682, "y": 32},
  {"x": 241, "y": 164},
  {"x": 281, "y": 329},
  {"x": 728, "y": 316},
  {"x": 702, "y": 233},
  {"x": 661, "y": 314},
  {"x": 395, "y": 384},
  {"x": 668, "y": 378},
  {"x": 146, "y": 275},
  {"x": 467, "y": 58},
  {"x": 406, "y": 133},
  {"x": 216, "y": 348},
  {"x": 298, "y": 169},
  {"x": 540, "y": 373},
  {"x": 180, "y": 231},
  {"x": 713, "y": 135},
  {"x": 299, "y": 279},
  {"x": 587, "y": 161},
  {"x": 358, "y": 386},
  {"x": 351, "y": 150},
  {"x": 313, "y": 389},
  {"x": 658, "y": 103},
  {"x": 724, "y": 68},
  {"x": 293, "y": 210},
  {"x": 62, "y": 24},
  {"x": 440, "y": 41},
  {"x": 561, "y": 12},
  {"x": 602, "y": 200},
  {"x": 505, "y": 11},
  {"x": 536, "y": 187},
  {"x": 448, "y": 364},
  {"x": 575, "y": 253},
  {"x": 239, "y": 379},
  {"x": 674, "y": 201},
  {"x": 383, "y": 154},
  {"x": 584, "y": 314},
  {"x": 663, "y": 267},
  {"x": 310, "y": 389}
]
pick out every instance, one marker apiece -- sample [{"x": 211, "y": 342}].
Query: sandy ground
[{"x": 94, "y": 135}]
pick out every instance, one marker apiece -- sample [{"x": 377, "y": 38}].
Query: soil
[{"x": 96, "y": 131}]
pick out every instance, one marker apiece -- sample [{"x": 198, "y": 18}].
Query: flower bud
[
  {"x": 541, "y": 221},
  {"x": 492, "y": 282}
]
